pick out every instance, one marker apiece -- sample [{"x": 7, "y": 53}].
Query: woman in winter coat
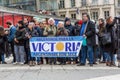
[
  {"x": 101, "y": 28},
  {"x": 111, "y": 47}
]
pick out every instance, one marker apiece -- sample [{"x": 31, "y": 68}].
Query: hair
[
  {"x": 31, "y": 23},
  {"x": 87, "y": 15},
  {"x": 102, "y": 20},
  {"x": 108, "y": 20},
  {"x": 21, "y": 22},
  {"x": 60, "y": 22},
  {"x": 8, "y": 23}
]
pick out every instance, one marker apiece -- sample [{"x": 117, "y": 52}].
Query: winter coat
[
  {"x": 113, "y": 45},
  {"x": 20, "y": 36},
  {"x": 90, "y": 34},
  {"x": 32, "y": 33},
  {"x": 50, "y": 31},
  {"x": 11, "y": 34},
  {"x": 3, "y": 39}
]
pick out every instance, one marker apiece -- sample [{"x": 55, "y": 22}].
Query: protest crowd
[{"x": 95, "y": 49}]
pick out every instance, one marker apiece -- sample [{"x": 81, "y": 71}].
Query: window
[
  {"x": 106, "y": 14},
  {"x": 63, "y": 15},
  {"x": 118, "y": 3},
  {"x": 83, "y": 2},
  {"x": 72, "y": 3},
  {"x": 94, "y": 2},
  {"x": 95, "y": 15},
  {"x": 73, "y": 16},
  {"x": 52, "y": 5},
  {"x": 106, "y": 2},
  {"x": 62, "y": 4},
  {"x": 43, "y": 5}
]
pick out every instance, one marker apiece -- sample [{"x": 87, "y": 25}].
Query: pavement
[{"x": 58, "y": 72}]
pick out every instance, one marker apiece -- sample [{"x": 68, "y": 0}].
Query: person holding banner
[
  {"x": 69, "y": 28},
  {"x": 88, "y": 32},
  {"x": 30, "y": 32},
  {"x": 50, "y": 31},
  {"x": 61, "y": 31}
]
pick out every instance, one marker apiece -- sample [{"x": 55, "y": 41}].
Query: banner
[{"x": 55, "y": 46}]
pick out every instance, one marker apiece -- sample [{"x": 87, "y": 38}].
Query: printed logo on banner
[{"x": 55, "y": 46}]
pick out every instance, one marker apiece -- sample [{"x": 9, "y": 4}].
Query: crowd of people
[{"x": 95, "y": 50}]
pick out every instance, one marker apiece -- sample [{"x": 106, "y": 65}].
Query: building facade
[
  {"x": 69, "y": 8},
  {"x": 95, "y": 8}
]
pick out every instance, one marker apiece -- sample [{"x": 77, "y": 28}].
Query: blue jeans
[
  {"x": 83, "y": 55},
  {"x": 90, "y": 54},
  {"x": 19, "y": 53},
  {"x": 38, "y": 59},
  {"x": 30, "y": 58},
  {"x": 3, "y": 58},
  {"x": 103, "y": 55},
  {"x": 108, "y": 57}
]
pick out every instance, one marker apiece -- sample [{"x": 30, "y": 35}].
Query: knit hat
[
  {"x": 80, "y": 22},
  {"x": 67, "y": 19}
]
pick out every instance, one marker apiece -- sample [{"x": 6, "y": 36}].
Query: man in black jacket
[
  {"x": 88, "y": 31},
  {"x": 19, "y": 43},
  {"x": 3, "y": 39}
]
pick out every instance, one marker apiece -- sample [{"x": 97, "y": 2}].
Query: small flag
[{"x": 77, "y": 11}]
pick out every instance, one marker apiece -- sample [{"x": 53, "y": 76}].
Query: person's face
[
  {"x": 37, "y": 23},
  {"x": 19, "y": 25},
  {"x": 25, "y": 21},
  {"x": 30, "y": 26},
  {"x": 68, "y": 22},
  {"x": 111, "y": 19},
  {"x": 51, "y": 22},
  {"x": 100, "y": 22},
  {"x": 60, "y": 25},
  {"x": 41, "y": 24},
  {"x": 8, "y": 25},
  {"x": 84, "y": 18}
]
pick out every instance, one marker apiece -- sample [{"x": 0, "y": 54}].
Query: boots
[
  {"x": 118, "y": 64},
  {"x": 113, "y": 64},
  {"x": 108, "y": 63},
  {"x": 32, "y": 63}
]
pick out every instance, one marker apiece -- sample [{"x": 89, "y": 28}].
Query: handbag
[{"x": 106, "y": 38}]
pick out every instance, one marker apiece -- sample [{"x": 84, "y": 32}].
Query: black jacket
[
  {"x": 3, "y": 39},
  {"x": 20, "y": 36},
  {"x": 32, "y": 33},
  {"x": 112, "y": 46},
  {"x": 69, "y": 29},
  {"x": 90, "y": 33}
]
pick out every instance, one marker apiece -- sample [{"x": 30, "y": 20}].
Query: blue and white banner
[{"x": 55, "y": 46}]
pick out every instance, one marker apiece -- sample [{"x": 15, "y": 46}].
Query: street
[{"x": 58, "y": 72}]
